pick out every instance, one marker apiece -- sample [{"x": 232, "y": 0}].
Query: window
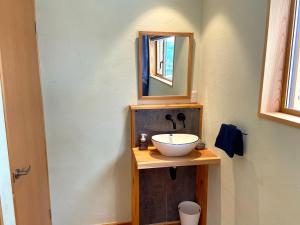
[
  {"x": 164, "y": 58},
  {"x": 280, "y": 88},
  {"x": 291, "y": 91}
]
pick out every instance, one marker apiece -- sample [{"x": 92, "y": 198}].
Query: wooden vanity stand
[{"x": 152, "y": 159}]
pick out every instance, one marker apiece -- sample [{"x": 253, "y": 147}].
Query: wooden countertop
[{"x": 151, "y": 158}]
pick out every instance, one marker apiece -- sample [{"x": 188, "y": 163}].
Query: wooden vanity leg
[
  {"x": 201, "y": 191},
  {"x": 135, "y": 192}
]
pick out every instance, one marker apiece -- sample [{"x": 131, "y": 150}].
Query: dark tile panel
[
  {"x": 160, "y": 195},
  {"x": 153, "y": 122},
  {"x": 152, "y": 196}
]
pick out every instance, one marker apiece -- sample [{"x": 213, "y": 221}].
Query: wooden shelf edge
[
  {"x": 142, "y": 166},
  {"x": 166, "y": 106},
  {"x": 151, "y": 159}
]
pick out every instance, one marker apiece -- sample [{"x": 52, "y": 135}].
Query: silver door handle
[{"x": 21, "y": 172}]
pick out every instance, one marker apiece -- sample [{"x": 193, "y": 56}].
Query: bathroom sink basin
[{"x": 175, "y": 144}]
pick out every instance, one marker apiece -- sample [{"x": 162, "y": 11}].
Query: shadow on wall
[
  {"x": 243, "y": 197},
  {"x": 103, "y": 181},
  {"x": 246, "y": 192},
  {"x": 233, "y": 39},
  {"x": 115, "y": 25},
  {"x": 231, "y": 13},
  {"x": 235, "y": 22},
  {"x": 122, "y": 176}
]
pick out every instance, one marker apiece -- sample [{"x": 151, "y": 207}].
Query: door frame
[{"x": 1, "y": 217}]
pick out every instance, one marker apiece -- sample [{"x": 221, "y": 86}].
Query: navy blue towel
[{"x": 230, "y": 139}]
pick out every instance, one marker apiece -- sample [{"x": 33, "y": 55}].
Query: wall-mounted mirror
[{"x": 165, "y": 65}]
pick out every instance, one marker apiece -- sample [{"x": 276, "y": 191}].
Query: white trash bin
[{"x": 189, "y": 213}]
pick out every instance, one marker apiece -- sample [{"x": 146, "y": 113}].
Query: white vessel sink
[{"x": 175, "y": 144}]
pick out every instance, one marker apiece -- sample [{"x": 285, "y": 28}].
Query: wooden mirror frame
[{"x": 190, "y": 66}]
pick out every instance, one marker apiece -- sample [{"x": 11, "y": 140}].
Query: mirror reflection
[{"x": 165, "y": 64}]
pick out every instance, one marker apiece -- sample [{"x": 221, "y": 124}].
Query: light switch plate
[{"x": 194, "y": 97}]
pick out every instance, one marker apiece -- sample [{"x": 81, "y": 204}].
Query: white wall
[
  {"x": 88, "y": 55},
  {"x": 262, "y": 188},
  {"x": 6, "y": 196},
  {"x": 181, "y": 65}
]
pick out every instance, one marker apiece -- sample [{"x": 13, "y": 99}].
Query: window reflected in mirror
[{"x": 161, "y": 50}]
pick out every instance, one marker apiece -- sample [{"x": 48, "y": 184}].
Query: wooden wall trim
[
  {"x": 202, "y": 191},
  {"x": 135, "y": 192}
]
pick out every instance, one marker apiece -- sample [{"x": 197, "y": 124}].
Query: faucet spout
[
  {"x": 174, "y": 125},
  {"x": 169, "y": 117}
]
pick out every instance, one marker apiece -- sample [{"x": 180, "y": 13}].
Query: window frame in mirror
[{"x": 190, "y": 36}]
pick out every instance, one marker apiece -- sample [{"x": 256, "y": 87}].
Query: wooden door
[
  {"x": 1, "y": 219},
  {"x": 23, "y": 110}
]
